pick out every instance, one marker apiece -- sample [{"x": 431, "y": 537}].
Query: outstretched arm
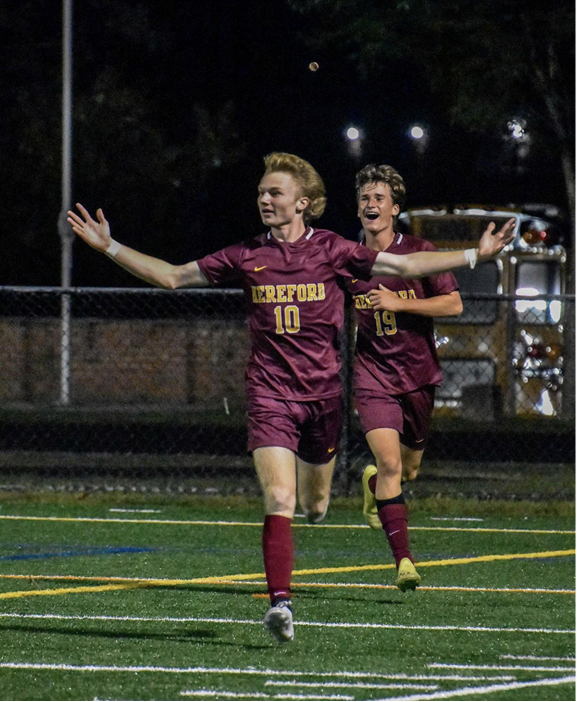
[
  {"x": 424, "y": 263},
  {"x": 153, "y": 270}
]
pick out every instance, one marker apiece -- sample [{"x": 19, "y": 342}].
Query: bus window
[
  {"x": 484, "y": 278},
  {"x": 538, "y": 278},
  {"x": 449, "y": 230}
]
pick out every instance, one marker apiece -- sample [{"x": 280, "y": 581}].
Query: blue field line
[{"x": 97, "y": 551}]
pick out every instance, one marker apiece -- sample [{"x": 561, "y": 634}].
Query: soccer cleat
[
  {"x": 370, "y": 501},
  {"x": 278, "y": 621},
  {"x": 407, "y": 576}
]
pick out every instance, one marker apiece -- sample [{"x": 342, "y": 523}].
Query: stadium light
[
  {"x": 517, "y": 129},
  {"x": 420, "y": 138},
  {"x": 353, "y": 134},
  {"x": 354, "y": 138},
  {"x": 417, "y": 132}
]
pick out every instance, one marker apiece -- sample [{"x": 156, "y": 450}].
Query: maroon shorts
[
  {"x": 410, "y": 414},
  {"x": 311, "y": 429}
]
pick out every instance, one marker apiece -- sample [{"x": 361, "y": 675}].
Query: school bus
[{"x": 504, "y": 355}]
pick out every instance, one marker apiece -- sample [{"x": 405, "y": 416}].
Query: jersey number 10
[{"x": 287, "y": 319}]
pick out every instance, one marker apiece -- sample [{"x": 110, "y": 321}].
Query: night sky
[{"x": 248, "y": 60}]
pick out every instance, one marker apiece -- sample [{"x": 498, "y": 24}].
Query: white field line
[
  {"x": 349, "y": 685},
  {"x": 516, "y": 668},
  {"x": 202, "y": 522},
  {"x": 506, "y": 687},
  {"x": 260, "y": 696},
  {"x": 135, "y": 511},
  {"x": 247, "y": 671},
  {"x": 538, "y": 658},
  {"x": 258, "y": 622},
  {"x": 456, "y": 519}
]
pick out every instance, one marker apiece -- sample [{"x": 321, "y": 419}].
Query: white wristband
[
  {"x": 114, "y": 248},
  {"x": 471, "y": 256}
]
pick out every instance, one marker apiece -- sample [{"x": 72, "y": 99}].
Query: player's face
[
  {"x": 279, "y": 199},
  {"x": 376, "y": 208}
]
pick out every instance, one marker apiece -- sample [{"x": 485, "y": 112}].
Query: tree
[
  {"x": 490, "y": 61},
  {"x": 139, "y": 116}
]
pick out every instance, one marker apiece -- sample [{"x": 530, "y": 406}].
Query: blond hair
[{"x": 309, "y": 181}]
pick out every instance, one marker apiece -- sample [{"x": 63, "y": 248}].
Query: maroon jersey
[
  {"x": 295, "y": 294},
  {"x": 395, "y": 351}
]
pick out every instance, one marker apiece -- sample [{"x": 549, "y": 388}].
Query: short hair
[
  {"x": 310, "y": 183},
  {"x": 383, "y": 174}
]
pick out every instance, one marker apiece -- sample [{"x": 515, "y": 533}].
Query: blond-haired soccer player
[
  {"x": 396, "y": 367},
  {"x": 291, "y": 276}
]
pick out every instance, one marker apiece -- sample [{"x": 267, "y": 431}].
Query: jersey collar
[{"x": 307, "y": 235}]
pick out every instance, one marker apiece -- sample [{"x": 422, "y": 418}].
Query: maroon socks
[
  {"x": 394, "y": 518},
  {"x": 278, "y": 555}
]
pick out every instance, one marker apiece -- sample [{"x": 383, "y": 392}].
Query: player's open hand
[
  {"x": 491, "y": 244},
  {"x": 96, "y": 234},
  {"x": 383, "y": 299}
]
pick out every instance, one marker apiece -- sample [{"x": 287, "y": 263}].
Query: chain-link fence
[{"x": 143, "y": 389}]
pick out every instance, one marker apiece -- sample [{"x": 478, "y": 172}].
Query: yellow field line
[
  {"x": 184, "y": 522},
  {"x": 69, "y": 590},
  {"x": 227, "y": 579},
  {"x": 449, "y": 561},
  {"x": 364, "y": 586},
  {"x": 432, "y": 588}
]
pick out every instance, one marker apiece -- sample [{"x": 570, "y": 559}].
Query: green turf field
[{"x": 164, "y": 601}]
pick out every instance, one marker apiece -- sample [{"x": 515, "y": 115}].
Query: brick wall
[{"x": 124, "y": 361}]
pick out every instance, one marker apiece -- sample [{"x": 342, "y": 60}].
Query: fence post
[
  {"x": 568, "y": 397},
  {"x": 347, "y": 342},
  {"x": 510, "y": 400},
  {"x": 65, "y": 349}
]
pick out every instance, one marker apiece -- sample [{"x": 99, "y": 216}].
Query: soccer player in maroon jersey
[
  {"x": 291, "y": 276},
  {"x": 396, "y": 367}
]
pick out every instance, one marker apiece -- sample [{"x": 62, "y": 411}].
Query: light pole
[
  {"x": 64, "y": 230},
  {"x": 66, "y": 234}
]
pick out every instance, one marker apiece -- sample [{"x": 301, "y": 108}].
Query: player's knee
[
  {"x": 410, "y": 471},
  {"x": 389, "y": 469},
  {"x": 314, "y": 508},
  {"x": 410, "y": 474},
  {"x": 315, "y": 516},
  {"x": 279, "y": 498}
]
